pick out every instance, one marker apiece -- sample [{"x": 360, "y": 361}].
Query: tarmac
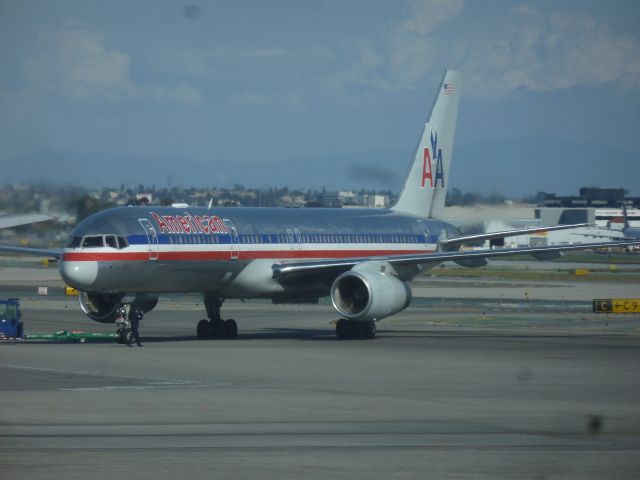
[{"x": 475, "y": 380}]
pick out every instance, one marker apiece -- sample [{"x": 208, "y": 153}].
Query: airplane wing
[
  {"x": 41, "y": 252},
  {"x": 16, "y": 220},
  {"x": 507, "y": 233},
  {"x": 292, "y": 270},
  {"x": 609, "y": 236}
]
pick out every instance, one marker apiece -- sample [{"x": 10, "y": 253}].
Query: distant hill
[
  {"x": 526, "y": 166},
  {"x": 513, "y": 168},
  {"x": 363, "y": 170}
]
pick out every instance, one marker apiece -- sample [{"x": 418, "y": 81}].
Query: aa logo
[{"x": 427, "y": 164}]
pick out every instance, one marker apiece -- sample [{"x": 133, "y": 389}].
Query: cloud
[
  {"x": 260, "y": 99},
  {"x": 209, "y": 62},
  {"x": 427, "y": 15},
  {"x": 382, "y": 176},
  {"x": 524, "y": 9},
  {"x": 552, "y": 52},
  {"x": 521, "y": 48},
  {"x": 409, "y": 51},
  {"x": 76, "y": 62}
]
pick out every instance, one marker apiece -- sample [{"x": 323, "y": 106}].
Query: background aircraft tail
[
  {"x": 425, "y": 186},
  {"x": 625, "y": 216}
]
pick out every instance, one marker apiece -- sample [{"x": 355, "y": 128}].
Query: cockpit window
[
  {"x": 111, "y": 241},
  {"x": 74, "y": 242},
  {"x": 93, "y": 242},
  {"x": 97, "y": 241}
]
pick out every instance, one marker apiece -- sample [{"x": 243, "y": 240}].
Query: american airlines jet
[{"x": 124, "y": 258}]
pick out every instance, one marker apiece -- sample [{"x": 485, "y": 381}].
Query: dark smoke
[{"x": 384, "y": 177}]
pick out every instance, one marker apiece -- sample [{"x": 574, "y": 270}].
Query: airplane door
[
  {"x": 152, "y": 238},
  {"x": 427, "y": 234},
  {"x": 233, "y": 239}
]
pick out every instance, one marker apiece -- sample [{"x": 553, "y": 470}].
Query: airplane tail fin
[
  {"x": 625, "y": 216},
  {"x": 425, "y": 186}
]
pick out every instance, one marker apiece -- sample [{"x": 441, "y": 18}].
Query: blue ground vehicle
[{"x": 10, "y": 315}]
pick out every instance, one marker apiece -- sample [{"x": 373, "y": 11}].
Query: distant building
[
  {"x": 376, "y": 201},
  {"x": 144, "y": 198},
  {"x": 589, "y": 197},
  {"x": 330, "y": 199},
  {"x": 348, "y": 197},
  {"x": 594, "y": 205}
]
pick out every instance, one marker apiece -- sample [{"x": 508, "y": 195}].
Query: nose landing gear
[{"x": 127, "y": 323}]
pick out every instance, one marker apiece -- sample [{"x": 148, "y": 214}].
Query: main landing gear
[
  {"x": 215, "y": 327},
  {"x": 351, "y": 329}
]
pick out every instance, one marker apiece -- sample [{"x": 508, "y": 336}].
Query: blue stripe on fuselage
[{"x": 282, "y": 239}]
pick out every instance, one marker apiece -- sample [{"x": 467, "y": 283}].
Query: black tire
[
  {"x": 203, "y": 329},
  {"x": 231, "y": 329},
  {"x": 218, "y": 330},
  {"x": 370, "y": 330},
  {"x": 119, "y": 336},
  {"x": 364, "y": 330},
  {"x": 128, "y": 337},
  {"x": 342, "y": 329}
]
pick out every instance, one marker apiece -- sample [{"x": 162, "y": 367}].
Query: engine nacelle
[
  {"x": 103, "y": 307},
  {"x": 368, "y": 295},
  {"x": 144, "y": 301}
]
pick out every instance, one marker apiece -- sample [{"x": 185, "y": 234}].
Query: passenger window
[{"x": 93, "y": 242}]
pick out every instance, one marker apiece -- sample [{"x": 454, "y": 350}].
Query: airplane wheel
[
  {"x": 129, "y": 337},
  {"x": 119, "y": 336},
  {"x": 231, "y": 329},
  {"x": 218, "y": 330},
  {"x": 342, "y": 329},
  {"x": 203, "y": 329},
  {"x": 370, "y": 330}
]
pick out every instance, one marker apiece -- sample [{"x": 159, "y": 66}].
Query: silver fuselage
[{"x": 231, "y": 251}]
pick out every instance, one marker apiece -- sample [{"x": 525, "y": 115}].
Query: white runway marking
[{"x": 147, "y": 382}]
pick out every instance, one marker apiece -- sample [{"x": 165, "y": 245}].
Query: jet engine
[
  {"x": 369, "y": 295},
  {"x": 103, "y": 307}
]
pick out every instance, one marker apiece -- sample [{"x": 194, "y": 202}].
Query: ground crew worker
[{"x": 135, "y": 324}]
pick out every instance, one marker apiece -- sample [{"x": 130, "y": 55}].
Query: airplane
[
  {"x": 626, "y": 233},
  {"x": 122, "y": 259}
]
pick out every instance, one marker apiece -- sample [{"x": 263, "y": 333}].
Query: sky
[{"x": 319, "y": 93}]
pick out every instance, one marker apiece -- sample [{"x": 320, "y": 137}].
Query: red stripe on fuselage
[{"x": 225, "y": 255}]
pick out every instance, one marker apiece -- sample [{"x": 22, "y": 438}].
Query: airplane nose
[{"x": 80, "y": 275}]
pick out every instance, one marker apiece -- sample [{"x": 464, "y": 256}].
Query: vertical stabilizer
[
  {"x": 425, "y": 185},
  {"x": 625, "y": 216}
]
